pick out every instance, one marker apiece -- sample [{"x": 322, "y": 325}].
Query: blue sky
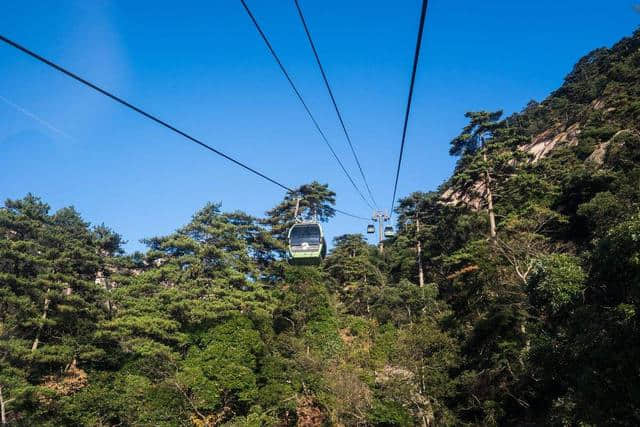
[{"x": 202, "y": 67}]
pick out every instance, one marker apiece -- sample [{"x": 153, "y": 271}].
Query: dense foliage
[{"x": 509, "y": 296}]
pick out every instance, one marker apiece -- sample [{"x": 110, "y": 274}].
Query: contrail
[{"x": 37, "y": 119}]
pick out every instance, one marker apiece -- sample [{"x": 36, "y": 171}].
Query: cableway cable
[
  {"x": 333, "y": 99},
  {"x": 301, "y": 99},
  {"x": 139, "y": 111},
  {"x": 416, "y": 56},
  {"x": 150, "y": 116},
  {"x": 351, "y": 215}
]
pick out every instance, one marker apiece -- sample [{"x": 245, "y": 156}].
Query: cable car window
[{"x": 305, "y": 233}]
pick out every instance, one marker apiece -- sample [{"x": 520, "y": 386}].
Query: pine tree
[
  {"x": 489, "y": 154},
  {"x": 315, "y": 202},
  {"x": 350, "y": 265},
  {"x": 51, "y": 306},
  {"x": 414, "y": 213}
]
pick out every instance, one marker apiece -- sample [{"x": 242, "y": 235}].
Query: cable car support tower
[{"x": 381, "y": 217}]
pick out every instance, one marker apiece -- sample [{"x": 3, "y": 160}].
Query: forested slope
[{"x": 509, "y": 296}]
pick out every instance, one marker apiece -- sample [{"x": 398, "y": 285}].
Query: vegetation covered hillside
[{"x": 508, "y": 297}]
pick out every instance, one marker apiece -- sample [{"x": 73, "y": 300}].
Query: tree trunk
[
  {"x": 380, "y": 244},
  {"x": 36, "y": 341},
  {"x": 2, "y": 411},
  {"x": 419, "y": 249},
  {"x": 527, "y": 344},
  {"x": 3, "y": 408},
  {"x": 102, "y": 280},
  {"x": 489, "y": 200},
  {"x": 72, "y": 365}
]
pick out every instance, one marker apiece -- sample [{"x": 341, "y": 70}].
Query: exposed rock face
[
  {"x": 598, "y": 104},
  {"x": 393, "y": 373},
  {"x": 469, "y": 198},
  {"x": 542, "y": 144},
  {"x": 539, "y": 147},
  {"x": 101, "y": 280},
  {"x": 597, "y": 157}
]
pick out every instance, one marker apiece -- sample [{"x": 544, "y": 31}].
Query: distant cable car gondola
[
  {"x": 388, "y": 231},
  {"x": 371, "y": 229},
  {"x": 306, "y": 243}
]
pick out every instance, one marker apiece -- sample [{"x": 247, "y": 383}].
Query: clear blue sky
[{"x": 202, "y": 66}]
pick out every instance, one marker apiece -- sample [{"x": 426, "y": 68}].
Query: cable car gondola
[
  {"x": 306, "y": 244},
  {"x": 388, "y": 231},
  {"x": 371, "y": 229}
]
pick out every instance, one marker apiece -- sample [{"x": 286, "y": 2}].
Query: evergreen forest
[{"x": 508, "y": 296}]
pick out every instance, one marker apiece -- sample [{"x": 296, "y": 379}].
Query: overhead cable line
[
  {"x": 150, "y": 116},
  {"x": 301, "y": 99},
  {"x": 416, "y": 56},
  {"x": 351, "y": 215},
  {"x": 139, "y": 110},
  {"x": 333, "y": 100}
]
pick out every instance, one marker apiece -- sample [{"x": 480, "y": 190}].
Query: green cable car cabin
[{"x": 306, "y": 244}]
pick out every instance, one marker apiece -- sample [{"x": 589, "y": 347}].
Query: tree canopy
[{"x": 509, "y": 296}]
